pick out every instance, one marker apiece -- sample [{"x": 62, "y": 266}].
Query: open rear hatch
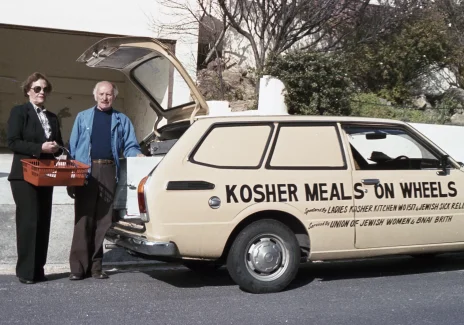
[{"x": 155, "y": 71}]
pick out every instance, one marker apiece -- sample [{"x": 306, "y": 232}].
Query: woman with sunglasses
[{"x": 33, "y": 132}]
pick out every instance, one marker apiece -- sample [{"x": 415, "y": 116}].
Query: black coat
[{"x": 26, "y": 136}]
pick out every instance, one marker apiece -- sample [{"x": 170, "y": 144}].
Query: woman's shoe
[{"x": 25, "y": 281}]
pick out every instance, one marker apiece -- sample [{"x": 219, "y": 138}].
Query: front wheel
[{"x": 264, "y": 257}]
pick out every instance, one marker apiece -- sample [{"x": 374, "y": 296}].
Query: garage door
[{"x": 53, "y": 53}]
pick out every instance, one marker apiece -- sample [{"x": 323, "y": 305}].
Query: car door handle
[{"x": 371, "y": 181}]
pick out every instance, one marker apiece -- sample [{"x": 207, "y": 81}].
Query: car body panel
[{"x": 184, "y": 216}]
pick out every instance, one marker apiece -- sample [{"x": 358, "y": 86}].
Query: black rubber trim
[
  {"x": 233, "y": 124},
  {"x": 189, "y": 186}
]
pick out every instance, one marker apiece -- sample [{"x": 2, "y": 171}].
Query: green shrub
[
  {"x": 390, "y": 65},
  {"x": 316, "y": 83}
]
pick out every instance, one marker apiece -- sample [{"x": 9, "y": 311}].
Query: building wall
[
  {"x": 26, "y": 51},
  {"x": 35, "y": 38},
  {"x": 238, "y": 49},
  {"x": 120, "y": 17}
]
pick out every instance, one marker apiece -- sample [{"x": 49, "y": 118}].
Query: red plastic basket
[{"x": 48, "y": 172}]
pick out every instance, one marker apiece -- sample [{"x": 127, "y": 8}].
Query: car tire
[
  {"x": 264, "y": 257},
  {"x": 202, "y": 266}
]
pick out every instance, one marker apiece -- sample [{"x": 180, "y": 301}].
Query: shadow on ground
[
  {"x": 383, "y": 267},
  {"x": 184, "y": 278},
  {"x": 57, "y": 276},
  {"x": 181, "y": 277},
  {"x": 327, "y": 271},
  {"x": 4, "y": 175}
]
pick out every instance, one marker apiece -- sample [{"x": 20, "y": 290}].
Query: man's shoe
[
  {"x": 74, "y": 277},
  {"x": 100, "y": 275},
  {"x": 43, "y": 278},
  {"x": 25, "y": 281}
]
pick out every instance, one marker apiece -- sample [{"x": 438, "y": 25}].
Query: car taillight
[{"x": 141, "y": 195}]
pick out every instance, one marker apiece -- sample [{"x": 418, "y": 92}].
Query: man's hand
[
  {"x": 50, "y": 147},
  {"x": 140, "y": 155},
  {"x": 71, "y": 191}
]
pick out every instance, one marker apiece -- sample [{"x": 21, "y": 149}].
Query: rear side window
[
  {"x": 307, "y": 147},
  {"x": 234, "y": 146}
]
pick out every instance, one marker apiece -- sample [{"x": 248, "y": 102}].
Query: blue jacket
[{"x": 123, "y": 140}]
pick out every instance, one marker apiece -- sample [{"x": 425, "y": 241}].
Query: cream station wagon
[{"x": 262, "y": 194}]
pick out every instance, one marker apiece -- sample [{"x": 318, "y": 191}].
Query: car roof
[{"x": 296, "y": 118}]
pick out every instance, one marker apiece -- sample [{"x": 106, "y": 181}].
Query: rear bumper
[{"x": 141, "y": 245}]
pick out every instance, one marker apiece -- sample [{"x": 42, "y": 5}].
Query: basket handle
[
  {"x": 64, "y": 149},
  {"x": 59, "y": 159}
]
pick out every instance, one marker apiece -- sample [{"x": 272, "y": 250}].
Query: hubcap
[{"x": 266, "y": 257}]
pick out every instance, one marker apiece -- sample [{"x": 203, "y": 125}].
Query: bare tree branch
[{"x": 273, "y": 27}]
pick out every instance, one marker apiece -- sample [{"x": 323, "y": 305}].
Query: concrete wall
[{"x": 35, "y": 38}]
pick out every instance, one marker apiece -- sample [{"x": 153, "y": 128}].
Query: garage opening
[{"x": 54, "y": 53}]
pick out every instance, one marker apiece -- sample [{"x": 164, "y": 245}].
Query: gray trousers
[{"x": 93, "y": 208}]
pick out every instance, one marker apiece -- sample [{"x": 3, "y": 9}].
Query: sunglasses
[{"x": 37, "y": 89}]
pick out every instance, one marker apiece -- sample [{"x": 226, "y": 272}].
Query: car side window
[
  {"x": 309, "y": 146},
  {"x": 388, "y": 148},
  {"x": 234, "y": 146}
]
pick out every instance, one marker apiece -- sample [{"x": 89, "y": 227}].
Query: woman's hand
[{"x": 50, "y": 147}]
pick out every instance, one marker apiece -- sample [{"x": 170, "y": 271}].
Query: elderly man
[{"x": 100, "y": 135}]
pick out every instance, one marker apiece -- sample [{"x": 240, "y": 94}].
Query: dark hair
[{"x": 26, "y": 86}]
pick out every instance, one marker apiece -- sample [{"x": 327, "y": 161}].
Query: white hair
[{"x": 95, "y": 89}]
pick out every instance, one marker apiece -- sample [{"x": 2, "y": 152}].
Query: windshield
[{"x": 163, "y": 83}]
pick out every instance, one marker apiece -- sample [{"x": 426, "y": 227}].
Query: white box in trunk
[{"x": 132, "y": 170}]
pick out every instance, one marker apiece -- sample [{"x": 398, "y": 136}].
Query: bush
[
  {"x": 390, "y": 65},
  {"x": 316, "y": 83},
  {"x": 447, "y": 107}
]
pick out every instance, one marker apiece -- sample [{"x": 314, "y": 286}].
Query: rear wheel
[{"x": 264, "y": 257}]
